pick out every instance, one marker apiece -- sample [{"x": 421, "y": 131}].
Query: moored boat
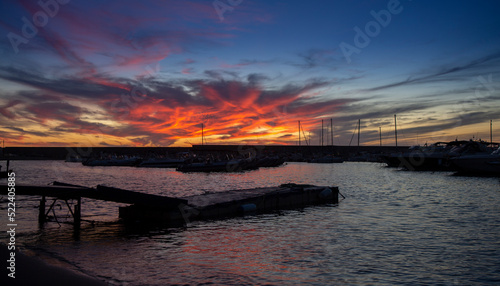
[
  {"x": 434, "y": 157},
  {"x": 74, "y": 159},
  {"x": 220, "y": 166},
  {"x": 479, "y": 164},
  {"x": 270, "y": 162},
  {"x": 113, "y": 161},
  {"x": 327, "y": 159},
  {"x": 161, "y": 163}
]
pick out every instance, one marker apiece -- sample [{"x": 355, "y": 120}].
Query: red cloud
[{"x": 230, "y": 110}]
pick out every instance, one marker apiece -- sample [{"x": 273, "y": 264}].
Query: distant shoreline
[{"x": 62, "y": 153}]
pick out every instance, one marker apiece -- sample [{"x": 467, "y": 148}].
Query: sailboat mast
[
  {"x": 321, "y": 132},
  {"x": 359, "y": 129},
  {"x": 380, "y": 135},
  {"x": 395, "y": 130},
  {"x": 319, "y": 138},
  {"x": 299, "y": 132},
  {"x": 303, "y": 133},
  {"x": 202, "y": 134},
  {"x": 491, "y": 133},
  {"x": 331, "y": 129}
]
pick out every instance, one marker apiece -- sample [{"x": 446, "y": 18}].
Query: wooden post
[
  {"x": 41, "y": 211},
  {"x": 77, "y": 212}
]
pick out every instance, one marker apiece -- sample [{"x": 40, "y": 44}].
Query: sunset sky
[{"x": 149, "y": 73}]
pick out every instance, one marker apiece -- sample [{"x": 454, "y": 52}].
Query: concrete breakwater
[{"x": 291, "y": 152}]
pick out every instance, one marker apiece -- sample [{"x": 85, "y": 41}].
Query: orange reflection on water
[{"x": 240, "y": 251}]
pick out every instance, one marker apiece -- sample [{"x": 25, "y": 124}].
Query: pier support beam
[
  {"x": 77, "y": 215},
  {"x": 41, "y": 211}
]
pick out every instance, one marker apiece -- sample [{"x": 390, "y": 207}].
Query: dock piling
[
  {"x": 77, "y": 215},
  {"x": 41, "y": 211}
]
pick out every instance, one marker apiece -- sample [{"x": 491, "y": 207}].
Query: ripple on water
[{"x": 394, "y": 227}]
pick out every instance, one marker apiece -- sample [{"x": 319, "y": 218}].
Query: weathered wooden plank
[
  {"x": 67, "y": 191},
  {"x": 64, "y": 192},
  {"x": 135, "y": 197}
]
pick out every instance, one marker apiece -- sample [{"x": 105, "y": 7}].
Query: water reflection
[{"x": 394, "y": 228}]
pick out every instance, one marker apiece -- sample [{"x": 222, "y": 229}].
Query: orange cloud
[{"x": 231, "y": 112}]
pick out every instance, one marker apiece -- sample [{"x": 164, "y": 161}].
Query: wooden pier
[{"x": 178, "y": 211}]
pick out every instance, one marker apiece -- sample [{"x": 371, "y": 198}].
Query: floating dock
[
  {"x": 178, "y": 211},
  {"x": 233, "y": 203}
]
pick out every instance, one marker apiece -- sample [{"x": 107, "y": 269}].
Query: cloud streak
[{"x": 453, "y": 73}]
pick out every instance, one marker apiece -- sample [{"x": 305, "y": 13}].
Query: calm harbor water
[{"x": 394, "y": 227}]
